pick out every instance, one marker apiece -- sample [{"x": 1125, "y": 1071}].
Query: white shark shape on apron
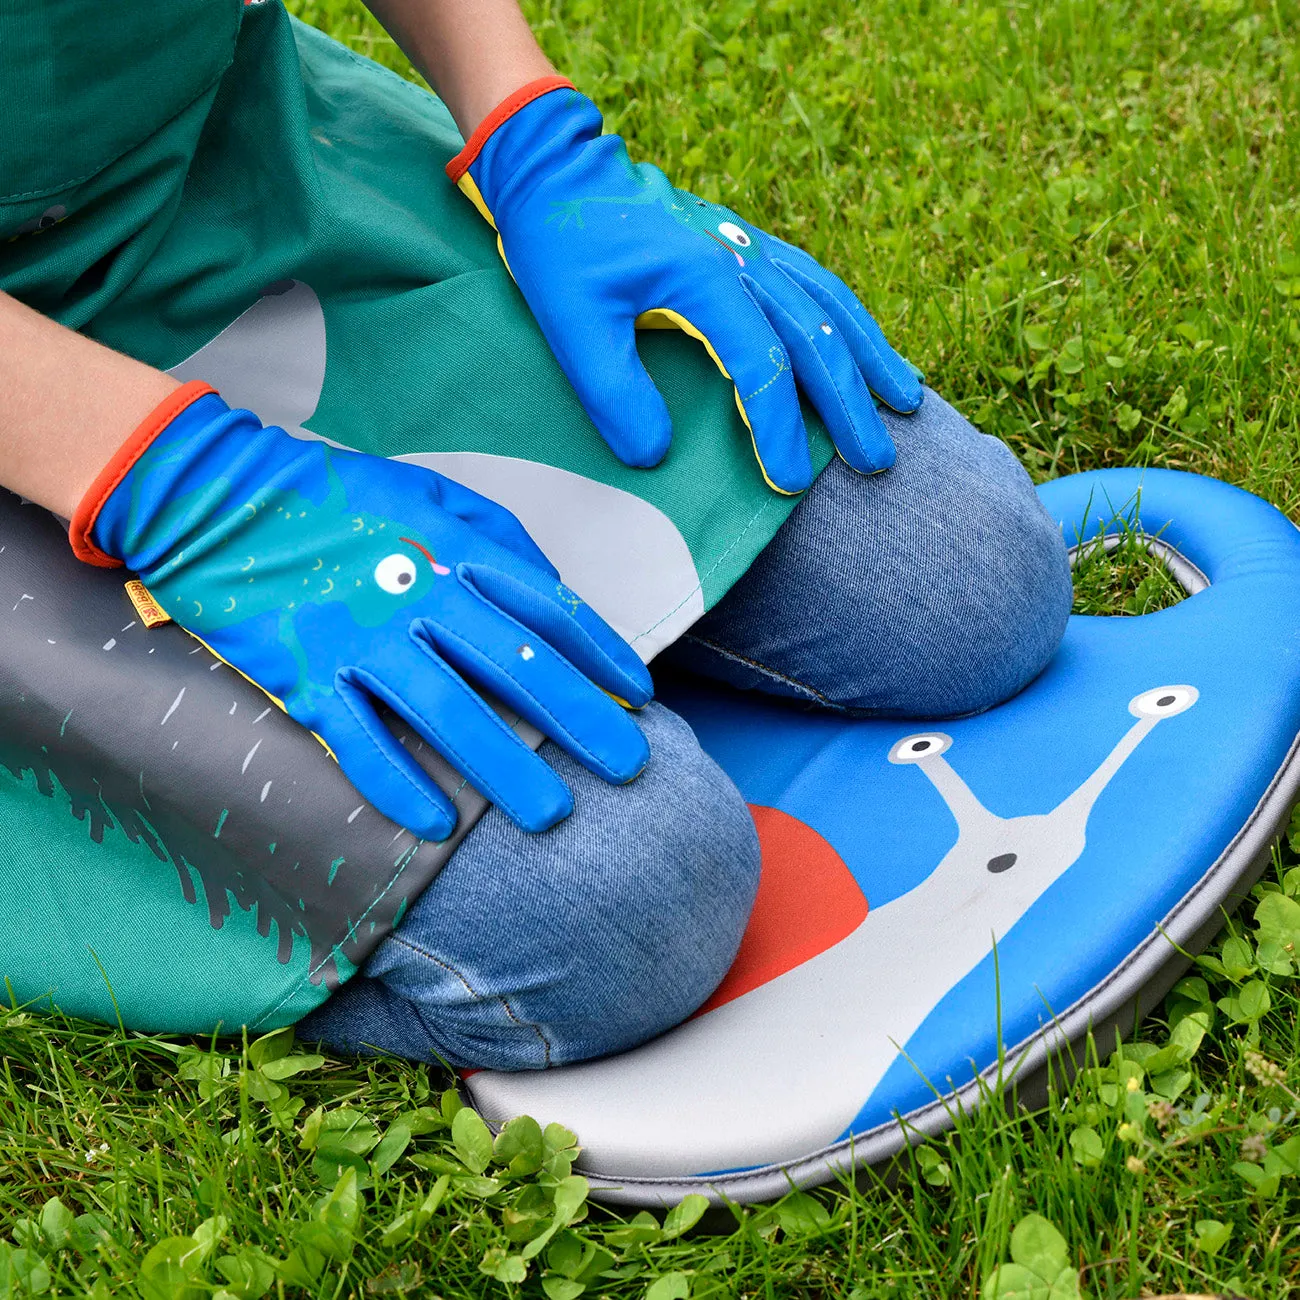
[{"x": 627, "y": 561}]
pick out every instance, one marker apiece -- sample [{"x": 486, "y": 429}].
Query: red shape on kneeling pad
[{"x": 807, "y": 902}]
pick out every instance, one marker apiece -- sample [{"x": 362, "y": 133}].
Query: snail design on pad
[{"x": 982, "y": 887}]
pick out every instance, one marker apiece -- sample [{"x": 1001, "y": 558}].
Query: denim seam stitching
[
  {"x": 379, "y": 898},
  {"x": 764, "y": 668},
  {"x": 474, "y": 993}
]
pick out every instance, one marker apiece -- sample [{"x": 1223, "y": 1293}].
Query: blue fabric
[
  {"x": 340, "y": 583},
  {"x": 594, "y": 241},
  {"x": 938, "y": 589},
  {"x": 535, "y": 951}
]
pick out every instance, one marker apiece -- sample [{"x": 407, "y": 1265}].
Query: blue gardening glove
[
  {"x": 599, "y": 246},
  {"x": 339, "y": 582}
]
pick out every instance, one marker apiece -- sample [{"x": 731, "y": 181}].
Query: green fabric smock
[{"x": 224, "y": 192}]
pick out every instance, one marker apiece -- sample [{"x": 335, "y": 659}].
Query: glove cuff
[
  {"x": 505, "y": 110},
  {"x": 110, "y": 477}
]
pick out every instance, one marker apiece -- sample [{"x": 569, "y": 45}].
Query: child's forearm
[
  {"x": 472, "y": 52},
  {"x": 66, "y": 405}
]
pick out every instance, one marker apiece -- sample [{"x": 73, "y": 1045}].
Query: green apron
[{"x": 223, "y": 192}]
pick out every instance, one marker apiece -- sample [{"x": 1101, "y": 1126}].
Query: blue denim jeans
[{"x": 936, "y": 589}]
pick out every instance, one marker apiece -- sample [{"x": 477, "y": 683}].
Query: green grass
[
  {"x": 1080, "y": 219},
  {"x": 1125, "y": 580}
]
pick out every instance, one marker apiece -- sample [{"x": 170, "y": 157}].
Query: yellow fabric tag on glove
[{"x": 150, "y": 611}]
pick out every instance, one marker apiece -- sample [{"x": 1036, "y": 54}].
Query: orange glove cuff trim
[
  {"x": 507, "y": 108},
  {"x": 87, "y": 511}
]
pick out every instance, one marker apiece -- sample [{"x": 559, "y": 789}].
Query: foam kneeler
[
  {"x": 178, "y": 855},
  {"x": 1044, "y": 867}
]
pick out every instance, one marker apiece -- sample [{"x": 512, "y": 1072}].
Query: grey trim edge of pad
[
  {"x": 1181, "y": 569},
  {"x": 1131, "y": 990}
]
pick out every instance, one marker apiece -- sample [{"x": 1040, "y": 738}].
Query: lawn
[{"x": 1080, "y": 219}]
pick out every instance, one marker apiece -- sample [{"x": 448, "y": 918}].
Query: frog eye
[
  {"x": 912, "y": 749},
  {"x": 734, "y": 233},
  {"x": 395, "y": 574},
  {"x": 1164, "y": 701}
]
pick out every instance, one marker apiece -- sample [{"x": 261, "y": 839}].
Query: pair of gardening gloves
[{"x": 340, "y": 583}]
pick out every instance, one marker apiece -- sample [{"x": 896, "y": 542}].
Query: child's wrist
[{"x": 68, "y": 402}]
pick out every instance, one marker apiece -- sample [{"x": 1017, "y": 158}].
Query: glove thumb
[{"x": 600, "y": 359}]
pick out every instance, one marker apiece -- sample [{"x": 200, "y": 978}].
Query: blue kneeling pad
[
  {"x": 176, "y": 855},
  {"x": 1043, "y": 868}
]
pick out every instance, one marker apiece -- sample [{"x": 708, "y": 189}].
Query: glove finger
[
  {"x": 492, "y": 520},
  {"x": 441, "y": 706},
  {"x": 887, "y": 374},
  {"x": 598, "y": 356},
  {"x": 383, "y": 773},
  {"x": 567, "y": 623},
  {"x": 828, "y": 374},
  {"x": 500, "y": 654},
  {"x": 747, "y": 350}
]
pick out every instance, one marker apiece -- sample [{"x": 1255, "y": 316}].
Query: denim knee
[
  {"x": 536, "y": 950},
  {"x": 938, "y": 588}
]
